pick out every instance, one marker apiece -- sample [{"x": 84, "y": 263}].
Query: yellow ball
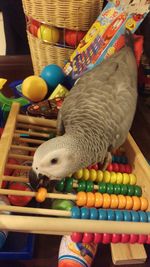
[
  {"x": 99, "y": 176},
  {"x": 93, "y": 175},
  {"x": 48, "y": 34},
  {"x": 34, "y": 88},
  {"x": 126, "y": 178},
  {"x": 106, "y": 177},
  {"x": 86, "y": 174},
  {"x": 79, "y": 174}
]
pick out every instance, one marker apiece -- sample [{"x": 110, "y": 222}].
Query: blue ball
[{"x": 53, "y": 75}]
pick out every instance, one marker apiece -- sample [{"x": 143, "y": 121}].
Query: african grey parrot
[{"x": 94, "y": 119}]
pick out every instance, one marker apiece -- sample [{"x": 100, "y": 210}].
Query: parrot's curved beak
[{"x": 39, "y": 180}]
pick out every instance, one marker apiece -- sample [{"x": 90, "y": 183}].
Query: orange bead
[
  {"x": 122, "y": 201},
  {"x": 129, "y": 203},
  {"x": 41, "y": 194},
  {"x": 90, "y": 199},
  {"x": 98, "y": 200},
  {"x": 136, "y": 203},
  {"x": 106, "y": 201},
  {"x": 144, "y": 203},
  {"x": 114, "y": 201},
  {"x": 81, "y": 199}
]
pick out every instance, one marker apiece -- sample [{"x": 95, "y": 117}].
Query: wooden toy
[{"x": 114, "y": 223}]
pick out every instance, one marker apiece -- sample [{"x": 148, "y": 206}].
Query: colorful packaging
[
  {"x": 105, "y": 37},
  {"x": 75, "y": 254}
]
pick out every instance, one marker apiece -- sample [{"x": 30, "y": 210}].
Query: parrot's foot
[{"x": 107, "y": 161}]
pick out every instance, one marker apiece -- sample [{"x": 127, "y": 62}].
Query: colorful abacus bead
[
  {"x": 119, "y": 159},
  {"x": 106, "y": 176},
  {"x": 111, "y": 201},
  {"x": 116, "y": 167}
]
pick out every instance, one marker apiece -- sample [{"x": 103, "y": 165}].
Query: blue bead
[
  {"x": 113, "y": 158},
  {"x": 3, "y": 238},
  {"x": 102, "y": 214},
  {"x": 148, "y": 216},
  {"x": 124, "y": 160},
  {"x": 75, "y": 213},
  {"x": 111, "y": 215},
  {"x": 119, "y": 215},
  {"x": 127, "y": 216},
  {"x": 93, "y": 214},
  {"x": 143, "y": 216},
  {"x": 135, "y": 216},
  {"x": 85, "y": 213}
]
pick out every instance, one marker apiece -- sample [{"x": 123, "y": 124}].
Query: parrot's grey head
[{"x": 54, "y": 159}]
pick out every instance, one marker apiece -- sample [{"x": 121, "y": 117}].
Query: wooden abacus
[{"x": 32, "y": 130}]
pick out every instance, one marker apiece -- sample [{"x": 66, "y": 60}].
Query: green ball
[
  {"x": 62, "y": 204},
  {"x": 130, "y": 190},
  {"x": 124, "y": 189},
  {"x": 60, "y": 185},
  {"x": 102, "y": 188},
  {"x": 117, "y": 189},
  {"x": 110, "y": 189},
  {"x": 137, "y": 191}
]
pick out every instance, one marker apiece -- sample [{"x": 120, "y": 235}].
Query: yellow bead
[
  {"x": 133, "y": 179},
  {"x": 126, "y": 178},
  {"x": 113, "y": 177},
  {"x": 78, "y": 174},
  {"x": 106, "y": 178},
  {"x": 86, "y": 174},
  {"x": 99, "y": 177},
  {"x": 93, "y": 174},
  {"x": 119, "y": 177}
]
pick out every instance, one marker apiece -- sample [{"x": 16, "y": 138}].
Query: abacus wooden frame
[{"x": 61, "y": 226}]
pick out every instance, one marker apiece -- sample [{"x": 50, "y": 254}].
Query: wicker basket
[
  {"x": 43, "y": 54},
  {"x": 69, "y": 14}
]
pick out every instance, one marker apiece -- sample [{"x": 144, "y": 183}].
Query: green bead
[
  {"x": 137, "y": 191},
  {"x": 102, "y": 188},
  {"x": 124, "y": 189},
  {"x": 117, "y": 189},
  {"x": 60, "y": 185},
  {"x": 69, "y": 185},
  {"x": 110, "y": 189},
  {"x": 89, "y": 186},
  {"x": 130, "y": 190},
  {"x": 81, "y": 186}
]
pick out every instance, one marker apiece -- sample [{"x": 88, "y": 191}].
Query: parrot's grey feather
[{"x": 96, "y": 115}]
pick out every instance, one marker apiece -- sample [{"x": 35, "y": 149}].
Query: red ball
[
  {"x": 94, "y": 166},
  {"x": 125, "y": 238},
  {"x": 122, "y": 168},
  {"x": 33, "y": 29},
  {"x": 72, "y": 38},
  {"x": 19, "y": 200},
  {"x": 142, "y": 239},
  {"x": 116, "y": 238},
  {"x": 128, "y": 168},
  {"x": 77, "y": 237},
  {"x": 98, "y": 238},
  {"x": 133, "y": 239},
  {"x": 115, "y": 167},
  {"x": 87, "y": 238},
  {"x": 110, "y": 167},
  {"x": 148, "y": 239},
  {"x": 107, "y": 238}
]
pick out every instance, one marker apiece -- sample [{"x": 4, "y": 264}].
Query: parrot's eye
[{"x": 54, "y": 161}]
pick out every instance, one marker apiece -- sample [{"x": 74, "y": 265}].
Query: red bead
[
  {"x": 125, "y": 238},
  {"x": 121, "y": 168},
  {"x": 116, "y": 238},
  {"x": 98, "y": 238},
  {"x": 115, "y": 167},
  {"x": 87, "y": 238},
  {"x": 110, "y": 167},
  {"x": 107, "y": 238},
  {"x": 133, "y": 239},
  {"x": 77, "y": 237},
  {"x": 148, "y": 239},
  {"x": 142, "y": 239},
  {"x": 94, "y": 166},
  {"x": 128, "y": 168}
]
